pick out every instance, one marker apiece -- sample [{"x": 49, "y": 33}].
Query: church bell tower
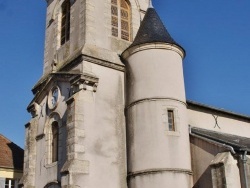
[
  {"x": 76, "y": 137},
  {"x": 110, "y": 108}
]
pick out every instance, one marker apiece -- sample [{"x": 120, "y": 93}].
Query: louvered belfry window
[
  {"x": 120, "y": 20},
  {"x": 114, "y": 21},
  {"x": 65, "y": 25},
  {"x": 125, "y": 20}
]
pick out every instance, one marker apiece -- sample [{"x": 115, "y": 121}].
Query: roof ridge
[
  {"x": 5, "y": 137},
  {"x": 10, "y": 141}
]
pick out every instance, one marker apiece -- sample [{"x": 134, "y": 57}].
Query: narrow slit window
[
  {"x": 54, "y": 143},
  {"x": 171, "y": 123},
  {"x": 65, "y": 22}
]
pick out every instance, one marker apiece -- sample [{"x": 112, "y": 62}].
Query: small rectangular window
[
  {"x": 9, "y": 183},
  {"x": 171, "y": 123}
]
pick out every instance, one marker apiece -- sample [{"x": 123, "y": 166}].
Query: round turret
[{"x": 157, "y": 128}]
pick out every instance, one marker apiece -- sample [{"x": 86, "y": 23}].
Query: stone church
[{"x": 110, "y": 109}]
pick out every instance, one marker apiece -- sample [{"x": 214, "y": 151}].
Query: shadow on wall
[
  {"x": 202, "y": 154},
  {"x": 205, "y": 177},
  {"x": 17, "y": 154}
]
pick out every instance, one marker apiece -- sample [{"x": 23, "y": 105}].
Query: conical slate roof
[{"x": 152, "y": 30}]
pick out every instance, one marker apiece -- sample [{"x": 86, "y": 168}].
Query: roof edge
[
  {"x": 156, "y": 45},
  {"x": 220, "y": 110},
  {"x": 194, "y": 131}
]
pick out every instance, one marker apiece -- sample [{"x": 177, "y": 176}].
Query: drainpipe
[{"x": 243, "y": 170}]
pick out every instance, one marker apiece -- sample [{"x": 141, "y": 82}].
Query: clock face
[{"x": 53, "y": 97}]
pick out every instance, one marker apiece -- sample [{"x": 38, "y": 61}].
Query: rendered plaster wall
[
  {"x": 149, "y": 76},
  {"x": 226, "y": 123},
  {"x": 2, "y": 182},
  {"x": 172, "y": 180},
  {"x": 104, "y": 127},
  {"x": 157, "y": 156},
  {"x": 153, "y": 148},
  {"x": 151, "y": 143}
]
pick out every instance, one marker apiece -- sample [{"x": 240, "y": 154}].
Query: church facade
[{"x": 110, "y": 108}]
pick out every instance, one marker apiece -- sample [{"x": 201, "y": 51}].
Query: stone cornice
[
  {"x": 40, "y": 136},
  {"x": 94, "y": 60},
  {"x": 33, "y": 109},
  {"x": 159, "y": 171},
  {"x": 153, "y": 99},
  {"x": 73, "y": 63},
  {"x": 165, "y": 46},
  {"x": 84, "y": 81},
  {"x": 75, "y": 166},
  {"x": 53, "y": 77},
  {"x": 27, "y": 125}
]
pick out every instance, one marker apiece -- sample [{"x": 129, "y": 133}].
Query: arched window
[
  {"x": 52, "y": 131},
  {"x": 120, "y": 19},
  {"x": 52, "y": 185},
  {"x": 65, "y": 22},
  {"x": 54, "y": 141}
]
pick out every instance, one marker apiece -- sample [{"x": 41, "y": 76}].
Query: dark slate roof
[
  {"x": 237, "y": 142},
  {"x": 11, "y": 155},
  {"x": 152, "y": 30}
]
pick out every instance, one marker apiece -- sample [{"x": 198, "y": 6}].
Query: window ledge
[
  {"x": 51, "y": 164},
  {"x": 172, "y": 133}
]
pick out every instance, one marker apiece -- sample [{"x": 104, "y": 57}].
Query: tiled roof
[
  {"x": 11, "y": 155},
  {"x": 152, "y": 30},
  {"x": 239, "y": 143}
]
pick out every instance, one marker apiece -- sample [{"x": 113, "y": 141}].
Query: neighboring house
[
  {"x": 11, "y": 163},
  {"x": 110, "y": 109}
]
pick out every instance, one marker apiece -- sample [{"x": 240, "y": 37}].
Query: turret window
[
  {"x": 65, "y": 22},
  {"x": 171, "y": 122},
  {"x": 120, "y": 19}
]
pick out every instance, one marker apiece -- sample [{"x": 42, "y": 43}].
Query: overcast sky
[{"x": 215, "y": 35}]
